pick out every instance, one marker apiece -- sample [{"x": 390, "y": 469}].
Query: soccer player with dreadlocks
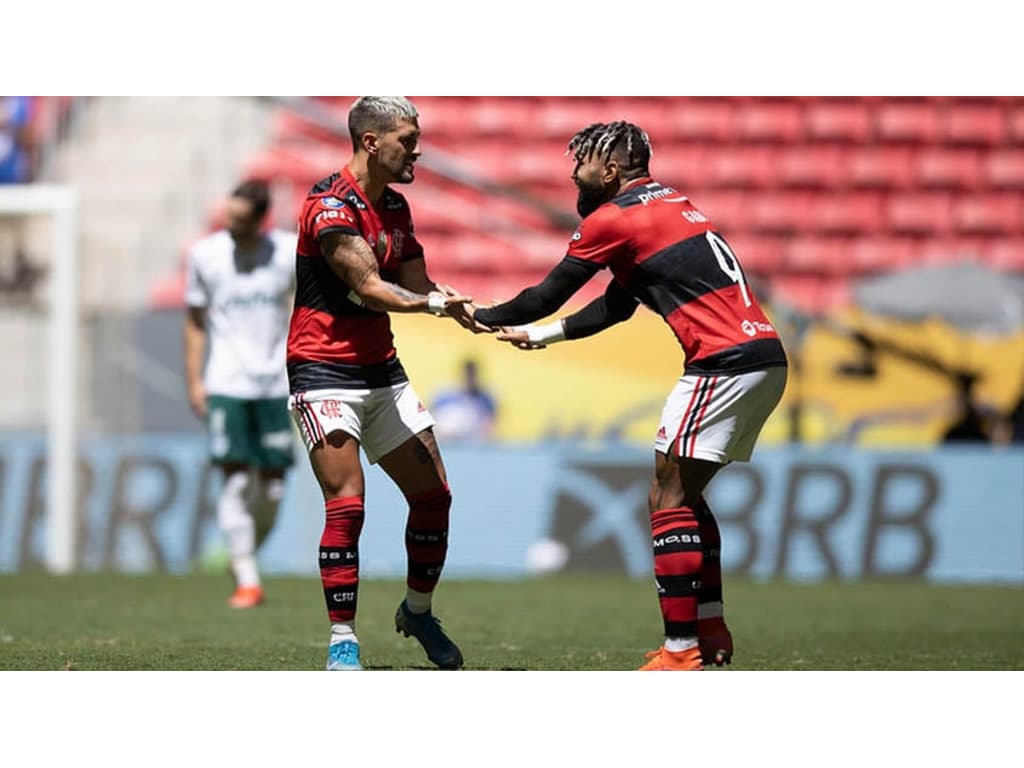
[{"x": 665, "y": 253}]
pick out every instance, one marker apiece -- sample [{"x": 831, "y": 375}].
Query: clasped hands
[{"x": 461, "y": 309}]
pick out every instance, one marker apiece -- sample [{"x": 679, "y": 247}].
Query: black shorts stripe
[{"x": 692, "y": 420}]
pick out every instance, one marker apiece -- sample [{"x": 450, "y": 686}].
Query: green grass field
[{"x": 119, "y": 622}]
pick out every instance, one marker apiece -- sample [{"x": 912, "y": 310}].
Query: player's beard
[{"x": 590, "y": 198}]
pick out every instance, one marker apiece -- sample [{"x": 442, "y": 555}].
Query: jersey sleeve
[
  {"x": 196, "y": 294},
  {"x": 331, "y": 214},
  {"x": 599, "y": 237}
]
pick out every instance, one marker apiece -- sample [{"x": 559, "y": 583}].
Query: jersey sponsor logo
[
  {"x": 649, "y": 197},
  {"x": 754, "y": 327},
  {"x": 353, "y": 198},
  {"x": 323, "y": 215},
  {"x": 330, "y": 409},
  {"x": 332, "y": 202},
  {"x": 577, "y": 235},
  {"x": 694, "y": 217}
]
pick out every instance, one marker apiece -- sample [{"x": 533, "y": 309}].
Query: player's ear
[
  {"x": 370, "y": 143},
  {"x": 611, "y": 171}
]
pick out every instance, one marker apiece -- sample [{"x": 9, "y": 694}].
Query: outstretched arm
[
  {"x": 412, "y": 274},
  {"x": 352, "y": 260},
  {"x": 541, "y": 300},
  {"x": 615, "y": 306}
]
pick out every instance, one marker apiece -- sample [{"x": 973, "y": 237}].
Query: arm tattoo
[
  {"x": 402, "y": 292},
  {"x": 351, "y": 258}
]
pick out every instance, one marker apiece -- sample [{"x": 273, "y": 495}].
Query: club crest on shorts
[{"x": 330, "y": 409}]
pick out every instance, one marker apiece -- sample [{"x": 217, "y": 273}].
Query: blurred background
[{"x": 885, "y": 236}]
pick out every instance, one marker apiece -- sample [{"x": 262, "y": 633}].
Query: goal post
[{"x": 59, "y": 202}]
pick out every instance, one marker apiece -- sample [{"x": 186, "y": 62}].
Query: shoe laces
[{"x": 346, "y": 652}]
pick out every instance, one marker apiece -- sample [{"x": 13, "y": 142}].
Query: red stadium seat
[
  {"x": 1015, "y": 115},
  {"x": 995, "y": 214},
  {"x": 780, "y": 212},
  {"x": 740, "y": 166},
  {"x": 819, "y": 256},
  {"x": 812, "y": 166},
  {"x": 780, "y": 121},
  {"x": 559, "y": 119},
  {"x": 1007, "y": 254},
  {"x": 920, "y": 213},
  {"x": 916, "y": 122},
  {"x": 855, "y": 213},
  {"x": 1004, "y": 168},
  {"x": 974, "y": 124},
  {"x": 882, "y": 254},
  {"x": 443, "y": 117},
  {"x": 807, "y": 293},
  {"x": 937, "y": 168},
  {"x": 881, "y": 167},
  {"x": 761, "y": 256},
  {"x": 834, "y": 120},
  {"x": 681, "y": 164},
  {"x": 728, "y": 209},
  {"x": 952, "y": 250},
  {"x": 703, "y": 119}
]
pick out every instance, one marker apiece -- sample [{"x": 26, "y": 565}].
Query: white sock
[
  {"x": 246, "y": 571},
  {"x": 343, "y": 630},
  {"x": 239, "y": 529},
  {"x": 676, "y": 644},
  {"x": 269, "y": 492},
  {"x": 418, "y": 602}
]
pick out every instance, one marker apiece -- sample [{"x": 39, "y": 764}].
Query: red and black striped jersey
[
  {"x": 333, "y": 341},
  {"x": 667, "y": 254}
]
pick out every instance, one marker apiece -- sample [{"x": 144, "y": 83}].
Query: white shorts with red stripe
[
  {"x": 719, "y": 418},
  {"x": 381, "y": 419}
]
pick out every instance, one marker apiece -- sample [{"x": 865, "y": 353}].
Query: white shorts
[
  {"x": 381, "y": 419},
  {"x": 718, "y": 418}
]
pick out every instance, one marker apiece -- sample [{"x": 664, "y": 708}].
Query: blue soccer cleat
[
  {"x": 343, "y": 657},
  {"x": 426, "y": 628}
]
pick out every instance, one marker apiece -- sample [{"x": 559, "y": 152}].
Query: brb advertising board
[{"x": 949, "y": 515}]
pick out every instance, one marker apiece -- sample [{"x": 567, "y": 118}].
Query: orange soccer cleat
[
  {"x": 673, "y": 661},
  {"x": 246, "y": 597},
  {"x": 715, "y": 642}
]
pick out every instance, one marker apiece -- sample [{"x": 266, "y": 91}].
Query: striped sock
[
  {"x": 710, "y": 598},
  {"x": 426, "y": 544},
  {"x": 677, "y": 566},
  {"x": 339, "y": 557}
]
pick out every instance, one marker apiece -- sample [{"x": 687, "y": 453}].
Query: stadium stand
[{"x": 814, "y": 192}]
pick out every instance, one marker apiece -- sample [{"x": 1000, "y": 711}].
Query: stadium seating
[{"x": 812, "y": 192}]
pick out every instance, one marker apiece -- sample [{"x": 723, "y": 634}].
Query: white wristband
[
  {"x": 436, "y": 303},
  {"x": 552, "y": 333}
]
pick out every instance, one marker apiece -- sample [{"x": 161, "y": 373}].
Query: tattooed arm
[{"x": 352, "y": 260}]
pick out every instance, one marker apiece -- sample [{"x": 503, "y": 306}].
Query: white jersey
[{"x": 247, "y": 301}]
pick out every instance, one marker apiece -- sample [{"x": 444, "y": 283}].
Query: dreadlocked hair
[{"x": 605, "y": 138}]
